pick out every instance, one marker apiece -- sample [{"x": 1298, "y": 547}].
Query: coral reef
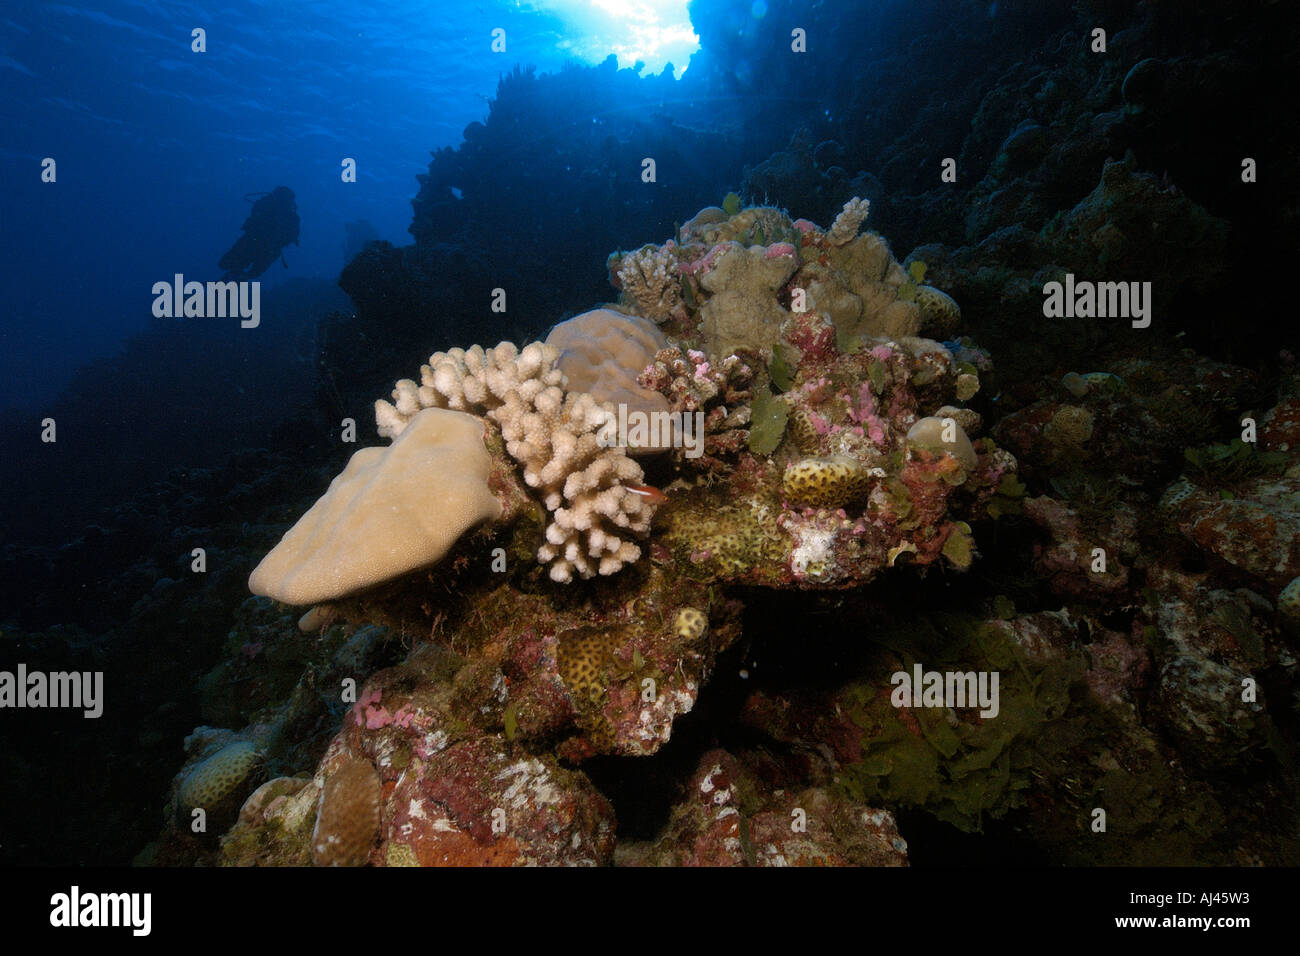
[
  {"x": 727, "y": 816},
  {"x": 859, "y": 396},
  {"x": 1131, "y": 575},
  {"x": 435, "y": 746},
  {"x": 837, "y": 447}
]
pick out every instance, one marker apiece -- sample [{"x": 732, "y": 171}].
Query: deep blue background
[{"x": 157, "y": 145}]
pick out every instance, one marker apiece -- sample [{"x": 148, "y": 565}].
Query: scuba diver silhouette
[{"x": 271, "y": 226}]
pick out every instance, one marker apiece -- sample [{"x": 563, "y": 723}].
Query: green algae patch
[
  {"x": 1233, "y": 462},
  {"x": 1007, "y": 499},
  {"x": 1052, "y": 742},
  {"x": 768, "y": 415},
  {"x": 878, "y": 376},
  {"x": 511, "y": 722},
  {"x": 959, "y": 547},
  {"x": 956, "y": 765},
  {"x": 909, "y": 290},
  {"x": 779, "y": 370}
]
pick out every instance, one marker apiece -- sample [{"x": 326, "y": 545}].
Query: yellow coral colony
[
  {"x": 218, "y": 777},
  {"x": 691, "y": 623},
  {"x": 829, "y": 482}
]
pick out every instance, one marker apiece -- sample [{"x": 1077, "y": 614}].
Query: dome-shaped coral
[
  {"x": 827, "y": 482},
  {"x": 602, "y": 352},
  {"x": 691, "y": 623},
  {"x": 216, "y": 779},
  {"x": 943, "y": 435},
  {"x": 347, "y": 824},
  {"x": 940, "y": 313}
]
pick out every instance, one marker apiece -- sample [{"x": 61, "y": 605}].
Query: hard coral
[
  {"x": 649, "y": 278},
  {"x": 347, "y": 823},
  {"x": 557, "y": 438},
  {"x": 825, "y": 482},
  {"x": 392, "y": 510},
  {"x": 217, "y": 778},
  {"x": 601, "y": 353},
  {"x": 742, "y": 310},
  {"x": 718, "y": 389},
  {"x": 814, "y": 473}
]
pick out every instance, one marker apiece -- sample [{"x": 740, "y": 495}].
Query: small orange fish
[{"x": 649, "y": 492}]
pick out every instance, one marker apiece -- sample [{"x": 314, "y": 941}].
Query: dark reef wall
[
  {"x": 1012, "y": 91},
  {"x": 532, "y": 202}
]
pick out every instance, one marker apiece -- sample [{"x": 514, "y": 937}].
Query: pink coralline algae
[
  {"x": 706, "y": 262},
  {"x": 369, "y": 711},
  {"x": 865, "y": 414}
]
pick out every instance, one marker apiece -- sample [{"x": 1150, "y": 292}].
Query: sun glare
[{"x": 655, "y": 32}]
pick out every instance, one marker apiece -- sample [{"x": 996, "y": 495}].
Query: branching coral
[
  {"x": 649, "y": 278},
  {"x": 555, "y": 436},
  {"x": 719, "y": 390},
  {"x": 846, "y": 225}
]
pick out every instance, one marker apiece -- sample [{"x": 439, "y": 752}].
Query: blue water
[{"x": 156, "y": 145}]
